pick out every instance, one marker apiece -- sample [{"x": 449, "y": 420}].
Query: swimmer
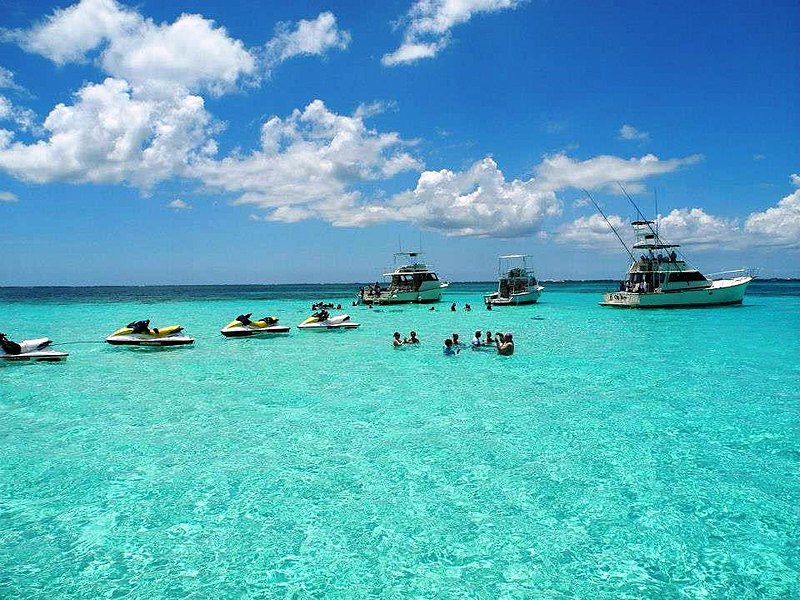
[
  {"x": 476, "y": 341},
  {"x": 396, "y": 341},
  {"x": 505, "y": 344},
  {"x": 489, "y": 339},
  {"x": 448, "y": 348},
  {"x": 413, "y": 339},
  {"x": 456, "y": 342}
]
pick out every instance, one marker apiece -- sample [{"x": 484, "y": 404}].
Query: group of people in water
[{"x": 502, "y": 342}]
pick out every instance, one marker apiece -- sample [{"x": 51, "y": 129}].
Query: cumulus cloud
[
  {"x": 308, "y": 162},
  {"x": 779, "y": 225},
  {"x": 306, "y": 38},
  {"x": 8, "y": 197},
  {"x": 476, "y": 202},
  {"x": 110, "y": 136},
  {"x": 147, "y": 121},
  {"x": 179, "y": 205},
  {"x": 591, "y": 231},
  {"x": 429, "y": 22},
  {"x": 629, "y": 132}
]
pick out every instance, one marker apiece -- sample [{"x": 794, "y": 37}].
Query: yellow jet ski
[
  {"x": 139, "y": 333},
  {"x": 242, "y": 326}
]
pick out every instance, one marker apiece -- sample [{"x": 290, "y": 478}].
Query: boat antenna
[
  {"x": 655, "y": 197},
  {"x": 645, "y": 220},
  {"x": 616, "y": 233}
]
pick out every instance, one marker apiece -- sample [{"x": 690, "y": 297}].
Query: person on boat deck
[
  {"x": 448, "y": 348},
  {"x": 413, "y": 339},
  {"x": 489, "y": 339},
  {"x": 673, "y": 256},
  {"x": 455, "y": 339},
  {"x": 476, "y": 341},
  {"x": 396, "y": 341},
  {"x": 644, "y": 286},
  {"x": 621, "y": 286},
  {"x": 505, "y": 344}
]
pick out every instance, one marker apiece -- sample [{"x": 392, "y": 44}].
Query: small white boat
[
  {"x": 139, "y": 333},
  {"x": 410, "y": 281},
  {"x": 660, "y": 278},
  {"x": 37, "y": 350},
  {"x": 242, "y": 326},
  {"x": 322, "y": 321},
  {"x": 516, "y": 283}
]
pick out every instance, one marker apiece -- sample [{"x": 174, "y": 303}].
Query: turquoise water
[{"x": 617, "y": 454}]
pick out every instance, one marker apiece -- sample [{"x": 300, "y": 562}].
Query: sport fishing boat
[
  {"x": 323, "y": 321},
  {"x": 36, "y": 350},
  {"x": 662, "y": 278},
  {"x": 139, "y": 333},
  {"x": 516, "y": 282},
  {"x": 410, "y": 281},
  {"x": 243, "y": 326}
]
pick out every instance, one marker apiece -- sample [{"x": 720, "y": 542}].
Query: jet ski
[
  {"x": 139, "y": 333},
  {"x": 37, "y": 350},
  {"x": 322, "y": 321},
  {"x": 243, "y": 326}
]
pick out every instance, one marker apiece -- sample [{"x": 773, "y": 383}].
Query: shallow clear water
[{"x": 617, "y": 454}]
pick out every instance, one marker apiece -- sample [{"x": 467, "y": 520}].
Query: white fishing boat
[
  {"x": 661, "y": 278},
  {"x": 411, "y": 280},
  {"x": 516, "y": 282}
]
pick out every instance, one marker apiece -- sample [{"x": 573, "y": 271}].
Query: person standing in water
[
  {"x": 448, "y": 348},
  {"x": 396, "y": 341},
  {"x": 505, "y": 344}
]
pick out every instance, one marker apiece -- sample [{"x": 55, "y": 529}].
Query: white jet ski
[
  {"x": 139, "y": 333},
  {"x": 242, "y": 326},
  {"x": 37, "y": 350},
  {"x": 323, "y": 321}
]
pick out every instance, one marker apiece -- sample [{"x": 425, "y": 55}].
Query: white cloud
[
  {"x": 429, "y": 23},
  {"x": 110, "y": 136},
  {"x": 477, "y": 202},
  {"x": 311, "y": 158},
  {"x": 179, "y": 204},
  {"x": 629, "y": 132},
  {"x": 603, "y": 172},
  {"x": 7, "y": 81},
  {"x": 695, "y": 227},
  {"x": 779, "y": 225},
  {"x": 24, "y": 118},
  {"x": 8, "y": 197},
  {"x": 192, "y": 52},
  {"x": 306, "y": 38},
  {"x": 591, "y": 232}
]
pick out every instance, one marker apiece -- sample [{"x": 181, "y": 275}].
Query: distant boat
[
  {"x": 410, "y": 281},
  {"x": 661, "y": 278},
  {"x": 516, "y": 282}
]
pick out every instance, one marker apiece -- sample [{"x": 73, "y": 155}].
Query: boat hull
[
  {"x": 41, "y": 356},
  {"x": 245, "y": 331},
  {"x": 722, "y": 292},
  {"x": 515, "y": 300},
  {"x": 421, "y": 296},
  {"x": 148, "y": 341}
]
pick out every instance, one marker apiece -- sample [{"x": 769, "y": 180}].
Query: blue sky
[{"x": 251, "y": 142}]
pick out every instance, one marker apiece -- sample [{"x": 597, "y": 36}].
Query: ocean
[{"x": 617, "y": 454}]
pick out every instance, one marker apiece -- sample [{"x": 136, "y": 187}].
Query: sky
[{"x": 209, "y": 142}]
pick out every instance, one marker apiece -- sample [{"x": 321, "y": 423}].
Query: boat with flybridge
[
  {"x": 411, "y": 280},
  {"x": 661, "y": 277},
  {"x": 516, "y": 283}
]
